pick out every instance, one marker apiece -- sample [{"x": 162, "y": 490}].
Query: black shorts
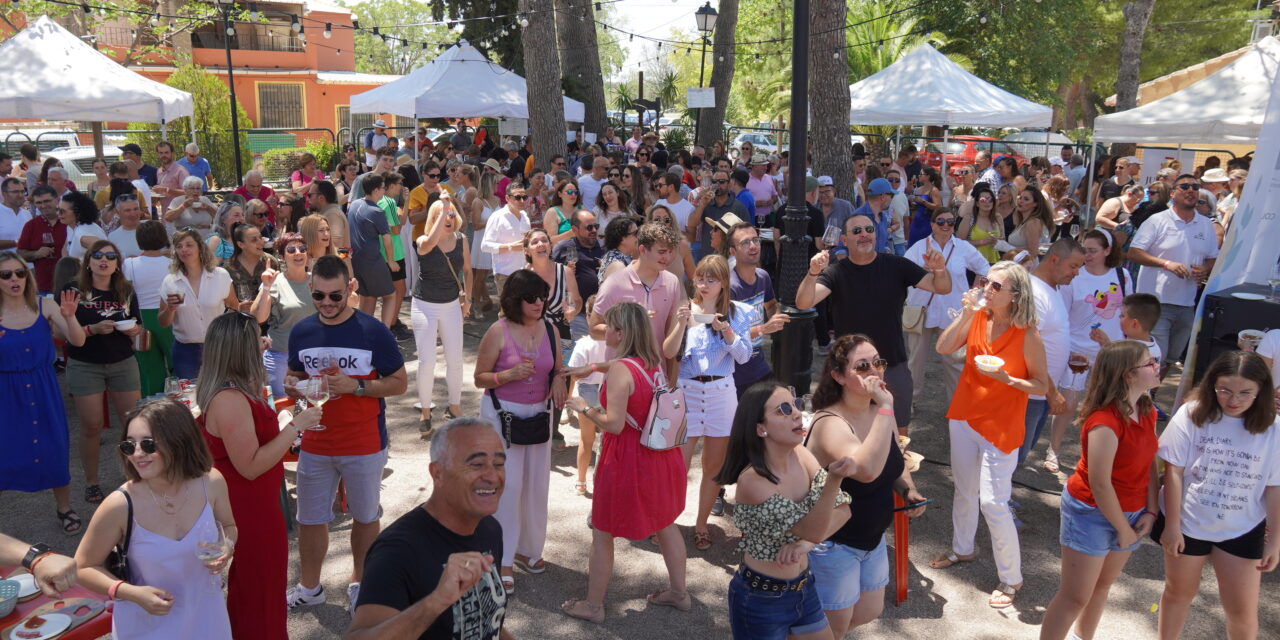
[
  {"x": 373, "y": 280},
  {"x": 397, "y": 276},
  {"x": 1248, "y": 546}
]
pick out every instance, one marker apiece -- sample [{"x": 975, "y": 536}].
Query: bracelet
[
  {"x": 814, "y": 275},
  {"x": 1149, "y": 512},
  {"x": 35, "y": 561},
  {"x": 884, "y": 411},
  {"x": 115, "y": 586}
]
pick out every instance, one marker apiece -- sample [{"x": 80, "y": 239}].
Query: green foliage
[
  {"x": 327, "y": 153},
  {"x": 376, "y": 55},
  {"x": 677, "y": 138},
  {"x": 1201, "y": 30},
  {"x": 213, "y": 123},
  {"x": 121, "y": 29},
  {"x": 279, "y": 164}
]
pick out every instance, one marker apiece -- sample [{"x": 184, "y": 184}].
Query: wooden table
[{"x": 95, "y": 628}]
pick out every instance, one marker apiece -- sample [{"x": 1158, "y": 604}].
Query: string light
[
  {"x": 328, "y": 30},
  {"x": 294, "y": 24}
]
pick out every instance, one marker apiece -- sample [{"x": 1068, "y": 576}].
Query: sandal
[
  {"x": 1002, "y": 597},
  {"x": 667, "y": 598},
  {"x": 950, "y": 559},
  {"x": 580, "y": 488},
  {"x": 528, "y": 567},
  {"x": 583, "y": 610},
  {"x": 701, "y": 540},
  {"x": 93, "y": 494},
  {"x": 1050, "y": 463},
  {"x": 509, "y": 584},
  {"x": 70, "y": 521}
]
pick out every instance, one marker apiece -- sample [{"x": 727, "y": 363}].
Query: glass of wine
[
  {"x": 1078, "y": 363},
  {"x": 211, "y": 544},
  {"x": 831, "y": 236},
  {"x": 1274, "y": 281},
  {"x": 1075, "y": 231},
  {"x": 47, "y": 239},
  {"x": 571, "y": 255},
  {"x": 316, "y": 391}
]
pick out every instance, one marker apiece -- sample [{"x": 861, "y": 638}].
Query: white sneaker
[
  {"x": 297, "y": 596},
  {"x": 353, "y": 594}
]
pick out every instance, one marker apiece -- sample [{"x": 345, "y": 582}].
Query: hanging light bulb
[
  {"x": 524, "y": 20},
  {"x": 836, "y": 54},
  {"x": 982, "y": 17},
  {"x": 328, "y": 30},
  {"x": 155, "y": 18},
  {"x": 231, "y": 30},
  {"x": 355, "y": 22},
  {"x": 720, "y": 58},
  {"x": 294, "y": 24}
]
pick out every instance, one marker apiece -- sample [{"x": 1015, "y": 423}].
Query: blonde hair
[
  {"x": 637, "y": 334},
  {"x": 434, "y": 212},
  {"x": 1022, "y": 310},
  {"x": 232, "y": 358},
  {"x": 29, "y": 290},
  {"x": 715, "y": 266},
  {"x": 206, "y": 256},
  {"x": 488, "y": 187},
  {"x": 309, "y": 227}
]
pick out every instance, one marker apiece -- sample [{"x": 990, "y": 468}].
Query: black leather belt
[
  {"x": 706, "y": 378},
  {"x": 761, "y": 582}
]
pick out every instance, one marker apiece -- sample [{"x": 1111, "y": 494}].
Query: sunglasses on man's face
[
  {"x": 720, "y": 181},
  {"x": 5, "y": 274},
  {"x": 519, "y": 198},
  {"x": 105, "y": 255},
  {"x": 591, "y": 227},
  {"x": 886, "y": 164},
  {"x": 1188, "y": 186},
  {"x": 334, "y": 296},
  {"x": 863, "y": 366},
  {"x": 857, "y": 231},
  {"x": 128, "y": 447}
]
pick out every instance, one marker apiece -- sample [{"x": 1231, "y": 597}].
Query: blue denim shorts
[
  {"x": 1086, "y": 530},
  {"x": 843, "y": 572},
  {"x": 773, "y": 615}
]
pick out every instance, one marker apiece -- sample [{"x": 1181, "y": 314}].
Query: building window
[
  {"x": 361, "y": 121},
  {"x": 280, "y": 106}
]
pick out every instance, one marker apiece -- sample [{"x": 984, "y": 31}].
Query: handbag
[
  {"x": 664, "y": 428},
  {"x": 535, "y": 429},
  {"x": 117, "y": 563},
  {"x": 913, "y": 315}
]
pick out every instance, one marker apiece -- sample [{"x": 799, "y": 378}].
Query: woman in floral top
[
  {"x": 787, "y": 504},
  {"x": 620, "y": 240}
]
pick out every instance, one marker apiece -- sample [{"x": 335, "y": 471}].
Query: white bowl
[
  {"x": 128, "y": 323},
  {"x": 1251, "y": 334},
  {"x": 704, "y": 318},
  {"x": 989, "y": 363}
]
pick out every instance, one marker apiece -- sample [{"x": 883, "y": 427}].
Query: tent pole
[
  {"x": 96, "y": 127},
  {"x": 1047, "y": 133},
  {"x": 1088, "y": 191},
  {"x": 946, "y": 133},
  {"x": 897, "y": 141},
  {"x": 164, "y": 131}
]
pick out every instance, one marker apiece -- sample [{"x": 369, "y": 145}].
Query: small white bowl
[
  {"x": 126, "y": 324},
  {"x": 1251, "y": 334},
  {"x": 989, "y": 363},
  {"x": 704, "y": 318}
]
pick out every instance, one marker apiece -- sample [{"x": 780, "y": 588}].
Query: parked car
[
  {"x": 1031, "y": 143},
  {"x": 44, "y": 139},
  {"x": 963, "y": 149},
  {"x": 759, "y": 141},
  {"x": 78, "y": 161}
]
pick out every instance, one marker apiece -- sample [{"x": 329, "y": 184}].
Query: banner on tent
[{"x": 1153, "y": 158}]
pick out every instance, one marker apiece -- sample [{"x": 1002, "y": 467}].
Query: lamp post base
[{"x": 793, "y": 350}]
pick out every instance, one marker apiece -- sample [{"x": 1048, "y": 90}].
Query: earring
[{"x": 764, "y": 434}]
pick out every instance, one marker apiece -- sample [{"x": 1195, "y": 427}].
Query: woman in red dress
[
  {"x": 638, "y": 491},
  {"x": 248, "y": 445}
]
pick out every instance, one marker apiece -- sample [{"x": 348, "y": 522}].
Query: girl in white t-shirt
[
  {"x": 588, "y": 359},
  {"x": 1221, "y": 493}
]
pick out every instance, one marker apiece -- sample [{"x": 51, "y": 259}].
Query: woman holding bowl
[
  {"x": 1004, "y": 364},
  {"x": 192, "y": 208},
  {"x": 108, "y": 311}
]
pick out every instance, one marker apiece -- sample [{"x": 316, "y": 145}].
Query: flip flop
[
  {"x": 666, "y": 598},
  {"x": 1003, "y": 596},
  {"x": 950, "y": 559},
  {"x": 570, "y": 608}
]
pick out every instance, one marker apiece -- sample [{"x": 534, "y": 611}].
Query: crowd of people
[{"x": 605, "y": 280}]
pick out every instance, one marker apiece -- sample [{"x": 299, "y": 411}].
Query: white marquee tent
[
  {"x": 50, "y": 74},
  {"x": 1228, "y": 106},
  {"x": 461, "y": 82},
  {"x": 924, "y": 87}
]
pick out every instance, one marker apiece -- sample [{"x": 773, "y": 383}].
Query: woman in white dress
[{"x": 483, "y": 205}]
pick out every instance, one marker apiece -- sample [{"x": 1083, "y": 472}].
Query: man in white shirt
[
  {"x": 1176, "y": 248},
  {"x": 13, "y": 216},
  {"x": 669, "y": 195},
  {"x": 375, "y": 140},
  {"x": 129, "y": 213},
  {"x": 1058, "y": 268},
  {"x": 589, "y": 184},
  {"x": 504, "y": 234}
]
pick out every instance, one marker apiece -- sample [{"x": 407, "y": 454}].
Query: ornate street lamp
[
  {"x": 706, "y": 17},
  {"x": 227, "y": 6}
]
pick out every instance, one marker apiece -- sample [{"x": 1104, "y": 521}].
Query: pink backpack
[{"x": 665, "y": 427}]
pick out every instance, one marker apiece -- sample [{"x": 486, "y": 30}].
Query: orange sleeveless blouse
[{"x": 995, "y": 410}]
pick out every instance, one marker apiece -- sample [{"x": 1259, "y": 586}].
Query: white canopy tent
[
  {"x": 460, "y": 82},
  {"x": 50, "y": 74},
  {"x": 1226, "y": 107}
]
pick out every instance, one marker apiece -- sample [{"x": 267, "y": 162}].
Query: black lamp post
[
  {"x": 706, "y": 17},
  {"x": 227, "y": 6},
  {"x": 793, "y": 348}
]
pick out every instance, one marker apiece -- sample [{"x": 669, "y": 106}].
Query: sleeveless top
[
  {"x": 554, "y": 308},
  {"x": 995, "y": 410},
  {"x": 225, "y": 248},
  {"x": 766, "y": 527},
  {"x": 533, "y": 389},
  {"x": 439, "y": 273},
  {"x": 871, "y": 501},
  {"x": 565, "y": 223},
  {"x": 988, "y": 251}
]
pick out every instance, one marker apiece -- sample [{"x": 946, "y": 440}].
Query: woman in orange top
[{"x": 988, "y": 415}]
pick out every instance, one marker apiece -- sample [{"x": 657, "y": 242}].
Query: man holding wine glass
[
  {"x": 37, "y": 233},
  {"x": 347, "y": 361}
]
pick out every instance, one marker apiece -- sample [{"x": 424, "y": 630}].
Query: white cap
[
  {"x": 1133, "y": 160},
  {"x": 825, "y": 181}
]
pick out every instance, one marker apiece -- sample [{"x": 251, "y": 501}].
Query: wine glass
[
  {"x": 46, "y": 239},
  {"x": 211, "y": 544},
  {"x": 1075, "y": 231},
  {"x": 571, "y": 255},
  {"x": 831, "y": 236},
  {"x": 1195, "y": 264},
  {"x": 316, "y": 391},
  {"x": 1274, "y": 281}
]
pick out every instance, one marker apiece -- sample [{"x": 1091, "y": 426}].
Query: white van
[{"x": 78, "y": 161}]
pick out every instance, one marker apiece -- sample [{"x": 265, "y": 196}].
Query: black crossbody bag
[
  {"x": 117, "y": 563},
  {"x": 535, "y": 429}
]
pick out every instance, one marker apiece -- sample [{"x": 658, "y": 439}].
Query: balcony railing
[{"x": 248, "y": 40}]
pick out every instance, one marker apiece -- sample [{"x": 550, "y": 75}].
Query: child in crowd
[
  {"x": 1138, "y": 315},
  {"x": 587, "y": 351}
]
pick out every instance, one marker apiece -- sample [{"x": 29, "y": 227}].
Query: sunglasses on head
[
  {"x": 296, "y": 247},
  {"x": 534, "y": 298},
  {"x": 128, "y": 447},
  {"x": 518, "y": 198},
  {"x": 945, "y": 222},
  {"x": 863, "y": 366},
  {"x": 104, "y": 255},
  {"x": 1188, "y": 186},
  {"x": 334, "y": 296},
  {"x": 5, "y": 274},
  {"x": 857, "y": 231}
]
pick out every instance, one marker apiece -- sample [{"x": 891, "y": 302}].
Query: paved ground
[{"x": 942, "y": 604}]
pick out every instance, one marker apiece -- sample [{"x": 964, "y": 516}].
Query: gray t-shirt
[
  {"x": 366, "y": 222},
  {"x": 290, "y": 303}
]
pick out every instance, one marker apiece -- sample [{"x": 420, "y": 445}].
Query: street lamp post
[
  {"x": 706, "y": 17},
  {"x": 227, "y": 6},
  {"x": 793, "y": 350}
]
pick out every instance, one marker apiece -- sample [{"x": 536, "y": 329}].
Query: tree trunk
[
  {"x": 542, "y": 73},
  {"x": 722, "y": 66},
  {"x": 1136, "y": 16},
  {"x": 580, "y": 57},
  {"x": 829, "y": 96}
]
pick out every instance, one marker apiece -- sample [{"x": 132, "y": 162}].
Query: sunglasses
[
  {"x": 995, "y": 286},
  {"x": 5, "y": 274},
  {"x": 518, "y": 198},
  {"x": 128, "y": 447},
  {"x": 334, "y": 296},
  {"x": 104, "y": 255},
  {"x": 863, "y": 366},
  {"x": 593, "y": 227},
  {"x": 642, "y": 155},
  {"x": 720, "y": 181},
  {"x": 434, "y": 176},
  {"x": 662, "y": 220},
  {"x": 857, "y": 231},
  {"x": 886, "y": 164},
  {"x": 945, "y": 222},
  {"x": 615, "y": 175},
  {"x": 1187, "y": 186},
  {"x": 570, "y": 192},
  {"x": 786, "y": 409},
  {"x": 259, "y": 214},
  {"x": 534, "y": 298},
  {"x": 296, "y": 247}
]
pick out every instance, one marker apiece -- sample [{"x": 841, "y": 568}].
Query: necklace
[{"x": 166, "y": 503}]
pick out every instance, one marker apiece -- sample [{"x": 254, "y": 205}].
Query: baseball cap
[
  {"x": 879, "y": 187},
  {"x": 132, "y": 148},
  {"x": 811, "y": 183},
  {"x": 825, "y": 181}
]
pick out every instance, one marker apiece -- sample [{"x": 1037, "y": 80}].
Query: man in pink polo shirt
[{"x": 645, "y": 281}]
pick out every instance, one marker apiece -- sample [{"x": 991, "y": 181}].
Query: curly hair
[{"x": 829, "y": 391}]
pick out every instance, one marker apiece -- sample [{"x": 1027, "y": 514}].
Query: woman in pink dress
[{"x": 638, "y": 491}]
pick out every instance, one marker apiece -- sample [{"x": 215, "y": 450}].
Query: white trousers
[
  {"x": 983, "y": 477},
  {"x": 522, "y": 510},
  {"x": 431, "y": 319},
  {"x": 920, "y": 348}
]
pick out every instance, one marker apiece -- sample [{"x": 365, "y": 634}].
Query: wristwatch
[
  {"x": 38, "y": 549},
  {"x": 359, "y": 388}
]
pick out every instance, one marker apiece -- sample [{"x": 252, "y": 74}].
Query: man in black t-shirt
[
  {"x": 586, "y": 241},
  {"x": 867, "y": 291},
  {"x": 432, "y": 574}
]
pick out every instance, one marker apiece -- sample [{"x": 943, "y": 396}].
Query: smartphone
[{"x": 913, "y": 505}]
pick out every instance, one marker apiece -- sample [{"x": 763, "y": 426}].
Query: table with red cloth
[{"x": 96, "y": 627}]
